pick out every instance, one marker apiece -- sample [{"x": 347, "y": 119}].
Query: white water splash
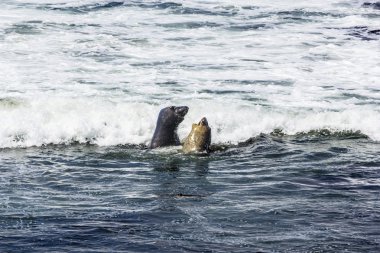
[{"x": 103, "y": 75}]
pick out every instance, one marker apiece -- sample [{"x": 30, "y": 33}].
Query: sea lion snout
[
  {"x": 203, "y": 122},
  {"x": 181, "y": 110}
]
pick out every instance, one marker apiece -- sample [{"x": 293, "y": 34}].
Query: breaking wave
[{"x": 102, "y": 122}]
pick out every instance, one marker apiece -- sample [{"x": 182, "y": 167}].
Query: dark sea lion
[
  {"x": 166, "y": 127},
  {"x": 199, "y": 139}
]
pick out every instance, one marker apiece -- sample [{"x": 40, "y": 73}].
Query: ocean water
[{"x": 291, "y": 92}]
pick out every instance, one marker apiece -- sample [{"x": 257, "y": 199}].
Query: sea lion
[
  {"x": 166, "y": 128},
  {"x": 199, "y": 138}
]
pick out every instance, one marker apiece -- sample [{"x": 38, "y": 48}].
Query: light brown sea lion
[{"x": 199, "y": 139}]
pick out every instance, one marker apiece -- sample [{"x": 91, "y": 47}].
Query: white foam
[
  {"x": 103, "y": 76},
  {"x": 64, "y": 120}
]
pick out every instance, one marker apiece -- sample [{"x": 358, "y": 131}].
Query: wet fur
[
  {"x": 199, "y": 139},
  {"x": 168, "y": 120}
]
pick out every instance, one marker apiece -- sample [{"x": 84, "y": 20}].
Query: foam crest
[
  {"x": 66, "y": 120},
  {"x": 235, "y": 123},
  {"x": 97, "y": 121}
]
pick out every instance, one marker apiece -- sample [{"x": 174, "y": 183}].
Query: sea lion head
[
  {"x": 203, "y": 122},
  {"x": 203, "y": 130},
  {"x": 172, "y": 116}
]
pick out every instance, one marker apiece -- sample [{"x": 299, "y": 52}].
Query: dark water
[{"x": 275, "y": 194}]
